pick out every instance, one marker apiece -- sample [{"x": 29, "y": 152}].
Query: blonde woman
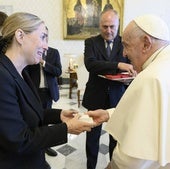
[{"x": 24, "y": 130}]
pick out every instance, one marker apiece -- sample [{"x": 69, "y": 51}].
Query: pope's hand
[{"x": 99, "y": 116}]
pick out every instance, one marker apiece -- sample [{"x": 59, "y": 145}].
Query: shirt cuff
[{"x": 110, "y": 111}]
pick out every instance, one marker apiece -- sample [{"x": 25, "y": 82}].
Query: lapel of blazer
[
  {"x": 99, "y": 41},
  {"x": 30, "y": 95},
  {"x": 38, "y": 74},
  {"x": 34, "y": 74},
  {"x": 115, "y": 49},
  {"x": 30, "y": 83}
]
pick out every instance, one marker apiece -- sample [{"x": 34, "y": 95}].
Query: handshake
[{"x": 77, "y": 123}]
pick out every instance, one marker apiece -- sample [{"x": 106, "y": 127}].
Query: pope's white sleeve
[{"x": 110, "y": 111}]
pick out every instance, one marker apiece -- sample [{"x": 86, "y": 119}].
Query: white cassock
[{"x": 141, "y": 120}]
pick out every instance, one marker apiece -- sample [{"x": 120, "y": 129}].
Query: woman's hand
[
  {"x": 68, "y": 114},
  {"x": 76, "y": 126}
]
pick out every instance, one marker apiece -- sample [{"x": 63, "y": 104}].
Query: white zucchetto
[{"x": 154, "y": 26}]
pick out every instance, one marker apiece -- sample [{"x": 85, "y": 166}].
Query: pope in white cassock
[{"x": 141, "y": 120}]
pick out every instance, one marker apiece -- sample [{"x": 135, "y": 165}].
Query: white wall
[
  {"x": 51, "y": 11},
  {"x": 134, "y": 8}
]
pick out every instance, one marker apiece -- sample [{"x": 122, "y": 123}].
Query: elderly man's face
[
  {"x": 132, "y": 48},
  {"x": 109, "y": 24}
]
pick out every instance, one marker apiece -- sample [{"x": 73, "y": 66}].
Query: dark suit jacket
[
  {"x": 23, "y": 123},
  {"x": 98, "y": 90},
  {"x": 52, "y": 70}
]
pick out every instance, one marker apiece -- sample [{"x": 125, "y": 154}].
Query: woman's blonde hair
[{"x": 20, "y": 20}]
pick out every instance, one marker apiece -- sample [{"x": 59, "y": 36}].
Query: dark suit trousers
[
  {"x": 92, "y": 146},
  {"x": 114, "y": 98},
  {"x": 112, "y": 145},
  {"x": 93, "y": 139}
]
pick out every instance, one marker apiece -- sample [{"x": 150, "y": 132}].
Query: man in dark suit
[
  {"x": 101, "y": 93},
  {"x": 44, "y": 76}
]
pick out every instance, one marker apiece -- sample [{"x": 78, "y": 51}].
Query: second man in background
[{"x": 103, "y": 55}]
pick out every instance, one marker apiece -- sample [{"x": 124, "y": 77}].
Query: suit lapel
[
  {"x": 30, "y": 83},
  {"x": 38, "y": 74},
  {"x": 115, "y": 49},
  {"x": 30, "y": 96},
  {"x": 99, "y": 41}
]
